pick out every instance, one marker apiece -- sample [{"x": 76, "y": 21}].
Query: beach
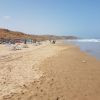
[{"x": 49, "y": 72}]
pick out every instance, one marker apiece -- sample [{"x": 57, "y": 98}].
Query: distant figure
[
  {"x": 54, "y": 41},
  {"x": 25, "y": 41}
]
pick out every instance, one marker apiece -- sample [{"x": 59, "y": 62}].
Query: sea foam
[{"x": 85, "y": 40}]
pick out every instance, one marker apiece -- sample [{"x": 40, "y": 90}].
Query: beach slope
[{"x": 63, "y": 73}]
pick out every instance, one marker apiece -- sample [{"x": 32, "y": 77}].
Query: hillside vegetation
[{"x": 8, "y": 34}]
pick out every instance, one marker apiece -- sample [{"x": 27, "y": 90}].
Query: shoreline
[
  {"x": 91, "y": 47},
  {"x": 66, "y": 64}
]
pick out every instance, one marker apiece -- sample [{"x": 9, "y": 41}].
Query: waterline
[{"x": 91, "y": 46}]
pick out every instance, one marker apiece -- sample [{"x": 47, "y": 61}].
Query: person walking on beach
[
  {"x": 54, "y": 41},
  {"x": 25, "y": 41}
]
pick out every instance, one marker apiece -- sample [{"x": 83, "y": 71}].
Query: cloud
[{"x": 7, "y": 18}]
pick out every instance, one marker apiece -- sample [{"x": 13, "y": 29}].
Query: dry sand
[{"x": 49, "y": 72}]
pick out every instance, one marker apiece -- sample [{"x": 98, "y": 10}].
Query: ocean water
[{"x": 91, "y": 46}]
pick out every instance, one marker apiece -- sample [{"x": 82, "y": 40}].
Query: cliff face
[
  {"x": 70, "y": 37},
  {"x": 7, "y": 34}
]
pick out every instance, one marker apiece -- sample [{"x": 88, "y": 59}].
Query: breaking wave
[{"x": 85, "y": 40}]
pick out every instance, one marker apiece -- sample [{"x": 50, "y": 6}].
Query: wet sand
[{"x": 59, "y": 73}]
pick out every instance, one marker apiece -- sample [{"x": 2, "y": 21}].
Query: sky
[{"x": 58, "y": 17}]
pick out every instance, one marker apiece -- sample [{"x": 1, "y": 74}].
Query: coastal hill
[{"x": 8, "y": 34}]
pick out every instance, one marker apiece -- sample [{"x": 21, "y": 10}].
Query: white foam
[{"x": 86, "y": 40}]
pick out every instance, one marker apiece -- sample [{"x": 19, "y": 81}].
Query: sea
[{"x": 91, "y": 46}]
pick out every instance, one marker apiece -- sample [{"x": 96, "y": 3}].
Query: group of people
[{"x": 52, "y": 41}]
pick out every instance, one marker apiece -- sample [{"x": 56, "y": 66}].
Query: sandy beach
[{"x": 48, "y": 72}]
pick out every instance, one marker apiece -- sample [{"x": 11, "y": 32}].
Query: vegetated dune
[{"x": 8, "y": 34}]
